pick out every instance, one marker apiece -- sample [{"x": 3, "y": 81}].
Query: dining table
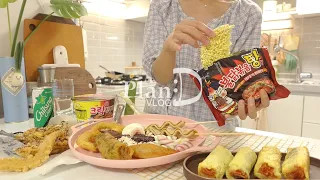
[{"x": 174, "y": 171}]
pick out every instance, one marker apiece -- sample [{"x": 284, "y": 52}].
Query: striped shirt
[{"x": 163, "y": 16}]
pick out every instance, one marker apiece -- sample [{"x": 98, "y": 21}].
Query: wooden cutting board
[
  {"x": 83, "y": 81},
  {"x": 39, "y": 49}
]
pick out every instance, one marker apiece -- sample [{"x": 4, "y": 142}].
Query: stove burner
[{"x": 122, "y": 81}]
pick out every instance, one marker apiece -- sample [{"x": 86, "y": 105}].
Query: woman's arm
[
  {"x": 155, "y": 61},
  {"x": 160, "y": 46}
]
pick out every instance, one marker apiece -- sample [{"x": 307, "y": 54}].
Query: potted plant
[{"x": 12, "y": 70}]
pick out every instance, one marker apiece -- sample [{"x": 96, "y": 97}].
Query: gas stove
[{"x": 120, "y": 81}]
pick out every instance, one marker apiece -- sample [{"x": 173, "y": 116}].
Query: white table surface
[{"x": 85, "y": 171}]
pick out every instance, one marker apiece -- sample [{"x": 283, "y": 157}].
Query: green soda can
[{"x": 42, "y": 98}]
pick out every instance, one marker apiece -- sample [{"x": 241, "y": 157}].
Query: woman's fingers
[
  {"x": 252, "y": 111},
  {"x": 188, "y": 32},
  {"x": 172, "y": 44},
  {"x": 242, "y": 110},
  {"x": 251, "y": 104},
  {"x": 183, "y": 38},
  {"x": 194, "y": 33},
  {"x": 200, "y": 26},
  {"x": 265, "y": 101}
]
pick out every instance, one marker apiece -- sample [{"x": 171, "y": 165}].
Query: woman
[{"x": 173, "y": 32}]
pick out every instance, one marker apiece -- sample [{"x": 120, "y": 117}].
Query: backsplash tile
[
  {"x": 309, "y": 46},
  {"x": 112, "y": 43}
]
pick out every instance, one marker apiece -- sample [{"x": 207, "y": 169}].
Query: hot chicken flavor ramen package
[{"x": 237, "y": 77}]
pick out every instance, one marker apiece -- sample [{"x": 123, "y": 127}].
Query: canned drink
[{"x": 42, "y": 98}]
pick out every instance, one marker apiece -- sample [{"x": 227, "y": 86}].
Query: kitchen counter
[
  {"x": 309, "y": 88},
  {"x": 85, "y": 171},
  {"x": 116, "y": 89}
]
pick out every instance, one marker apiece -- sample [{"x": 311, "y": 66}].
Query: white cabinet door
[
  {"x": 311, "y": 109},
  {"x": 285, "y": 115},
  {"x": 310, "y": 130},
  {"x": 308, "y": 7},
  {"x": 248, "y": 123}
]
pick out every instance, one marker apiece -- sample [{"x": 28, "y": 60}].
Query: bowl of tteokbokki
[{"x": 269, "y": 163}]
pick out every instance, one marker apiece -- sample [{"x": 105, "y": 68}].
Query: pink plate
[{"x": 145, "y": 120}]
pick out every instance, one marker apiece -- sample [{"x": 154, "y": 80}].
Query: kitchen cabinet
[
  {"x": 311, "y": 130},
  {"x": 308, "y": 7},
  {"x": 311, "y": 108},
  {"x": 283, "y": 115},
  {"x": 311, "y": 118},
  {"x": 248, "y": 123},
  {"x": 296, "y": 115}
]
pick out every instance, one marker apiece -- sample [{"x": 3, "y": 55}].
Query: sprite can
[{"x": 42, "y": 98}]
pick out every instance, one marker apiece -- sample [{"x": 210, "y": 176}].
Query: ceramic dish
[
  {"x": 190, "y": 167},
  {"x": 145, "y": 120}
]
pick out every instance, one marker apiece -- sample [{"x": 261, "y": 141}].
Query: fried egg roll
[
  {"x": 268, "y": 163},
  {"x": 216, "y": 163},
  {"x": 242, "y": 164},
  {"x": 296, "y": 164},
  {"x": 111, "y": 148}
]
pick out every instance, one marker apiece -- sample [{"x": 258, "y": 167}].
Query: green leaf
[
  {"x": 18, "y": 56},
  {"x": 4, "y": 3},
  {"x": 68, "y": 8}
]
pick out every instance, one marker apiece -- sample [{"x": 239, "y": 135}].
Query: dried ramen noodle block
[{"x": 219, "y": 46}]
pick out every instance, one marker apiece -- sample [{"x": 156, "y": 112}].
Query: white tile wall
[
  {"x": 309, "y": 47},
  {"x": 112, "y": 43}
]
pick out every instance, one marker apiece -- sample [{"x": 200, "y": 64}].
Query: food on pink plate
[
  {"x": 183, "y": 146},
  {"x": 167, "y": 124},
  {"x": 111, "y": 148},
  {"x": 145, "y": 151},
  {"x": 113, "y": 133},
  {"x": 141, "y": 138},
  {"x": 178, "y": 132},
  {"x": 87, "y": 139},
  {"x": 136, "y": 139},
  {"x": 173, "y": 142},
  {"x": 108, "y": 126},
  {"x": 170, "y": 129},
  {"x": 133, "y": 129}
]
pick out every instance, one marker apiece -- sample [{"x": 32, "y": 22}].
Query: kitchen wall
[
  {"x": 112, "y": 43},
  {"x": 309, "y": 47},
  {"x": 32, "y": 8}
]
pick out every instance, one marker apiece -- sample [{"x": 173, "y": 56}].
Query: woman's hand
[
  {"x": 188, "y": 32},
  {"x": 252, "y": 109}
]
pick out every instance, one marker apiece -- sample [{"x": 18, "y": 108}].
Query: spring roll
[
  {"x": 296, "y": 164},
  {"x": 216, "y": 163},
  {"x": 268, "y": 163},
  {"x": 242, "y": 164},
  {"x": 111, "y": 148}
]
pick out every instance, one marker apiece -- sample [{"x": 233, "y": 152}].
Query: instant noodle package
[{"x": 237, "y": 77}]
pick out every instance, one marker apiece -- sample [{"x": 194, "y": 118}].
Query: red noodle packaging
[{"x": 238, "y": 77}]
